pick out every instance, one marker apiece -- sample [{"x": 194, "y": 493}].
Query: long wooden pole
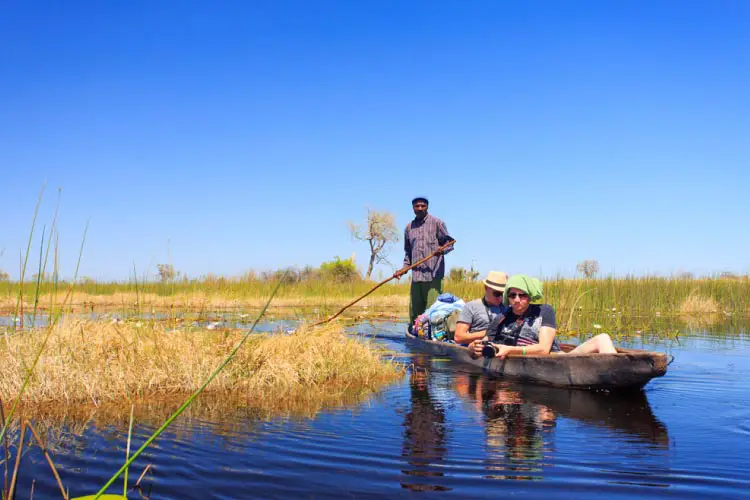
[{"x": 399, "y": 272}]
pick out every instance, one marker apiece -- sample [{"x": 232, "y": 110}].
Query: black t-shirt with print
[{"x": 524, "y": 330}]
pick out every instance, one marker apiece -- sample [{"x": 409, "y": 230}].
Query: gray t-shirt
[{"x": 479, "y": 315}]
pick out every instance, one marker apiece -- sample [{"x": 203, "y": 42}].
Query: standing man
[{"x": 425, "y": 234}]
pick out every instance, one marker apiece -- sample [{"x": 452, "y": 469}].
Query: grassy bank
[
  {"x": 615, "y": 304},
  {"x": 93, "y": 362}
]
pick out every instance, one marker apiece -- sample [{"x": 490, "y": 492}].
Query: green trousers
[{"x": 423, "y": 295}]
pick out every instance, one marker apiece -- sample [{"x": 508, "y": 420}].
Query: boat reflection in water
[
  {"x": 520, "y": 423},
  {"x": 628, "y": 413}
]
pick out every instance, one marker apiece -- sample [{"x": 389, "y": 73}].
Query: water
[{"x": 445, "y": 432}]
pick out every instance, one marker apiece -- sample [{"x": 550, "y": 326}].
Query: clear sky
[{"x": 229, "y": 136}]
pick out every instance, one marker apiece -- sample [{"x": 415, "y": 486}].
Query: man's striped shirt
[{"x": 421, "y": 238}]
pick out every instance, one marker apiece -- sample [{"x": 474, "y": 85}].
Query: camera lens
[{"x": 489, "y": 351}]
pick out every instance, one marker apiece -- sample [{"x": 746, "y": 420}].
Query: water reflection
[
  {"x": 628, "y": 413},
  {"x": 424, "y": 431},
  {"x": 519, "y": 424},
  {"x": 516, "y": 429},
  {"x": 225, "y": 415}
]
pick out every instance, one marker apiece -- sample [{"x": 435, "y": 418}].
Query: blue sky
[{"x": 230, "y": 136}]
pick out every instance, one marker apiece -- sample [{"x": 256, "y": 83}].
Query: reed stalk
[
  {"x": 140, "y": 478},
  {"x": 137, "y": 298},
  {"x": 39, "y": 277},
  {"x": 573, "y": 308},
  {"x": 25, "y": 259},
  {"x": 42, "y": 269},
  {"x": 48, "y": 458},
  {"x": 19, "y": 452},
  {"x": 6, "y": 447},
  {"x": 127, "y": 452}
]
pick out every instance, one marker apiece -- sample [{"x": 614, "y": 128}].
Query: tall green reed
[
  {"x": 42, "y": 268},
  {"x": 25, "y": 258}
]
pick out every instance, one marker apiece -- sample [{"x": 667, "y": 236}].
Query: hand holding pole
[{"x": 397, "y": 274}]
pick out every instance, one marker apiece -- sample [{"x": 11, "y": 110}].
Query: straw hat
[{"x": 496, "y": 280}]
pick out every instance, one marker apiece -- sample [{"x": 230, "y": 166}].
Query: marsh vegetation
[{"x": 621, "y": 306}]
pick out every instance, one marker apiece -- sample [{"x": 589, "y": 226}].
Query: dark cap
[{"x": 420, "y": 198}]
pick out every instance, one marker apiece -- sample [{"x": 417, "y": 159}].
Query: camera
[{"x": 489, "y": 350}]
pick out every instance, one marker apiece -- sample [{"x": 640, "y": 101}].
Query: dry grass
[
  {"x": 93, "y": 363},
  {"x": 698, "y": 304},
  {"x": 698, "y": 311}
]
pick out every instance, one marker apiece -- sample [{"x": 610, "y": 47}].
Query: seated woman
[{"x": 530, "y": 328}]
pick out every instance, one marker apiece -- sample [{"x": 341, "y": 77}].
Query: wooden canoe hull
[{"x": 628, "y": 369}]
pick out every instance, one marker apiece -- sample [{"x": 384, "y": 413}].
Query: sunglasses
[
  {"x": 497, "y": 294},
  {"x": 513, "y": 295}
]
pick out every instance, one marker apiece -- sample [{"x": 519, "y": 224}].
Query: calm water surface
[{"x": 445, "y": 432}]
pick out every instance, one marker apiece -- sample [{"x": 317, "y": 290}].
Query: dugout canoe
[{"x": 629, "y": 369}]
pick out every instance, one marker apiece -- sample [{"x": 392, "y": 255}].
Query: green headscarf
[{"x": 530, "y": 285}]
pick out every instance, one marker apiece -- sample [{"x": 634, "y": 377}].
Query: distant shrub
[
  {"x": 340, "y": 270},
  {"x": 729, "y": 275}
]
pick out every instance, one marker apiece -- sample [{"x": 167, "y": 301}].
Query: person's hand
[
  {"x": 475, "y": 348},
  {"x": 399, "y": 273},
  {"x": 503, "y": 351},
  {"x": 473, "y": 352}
]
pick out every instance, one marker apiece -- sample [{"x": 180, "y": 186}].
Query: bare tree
[
  {"x": 588, "y": 267},
  {"x": 166, "y": 272},
  {"x": 4, "y": 276},
  {"x": 378, "y": 231}
]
